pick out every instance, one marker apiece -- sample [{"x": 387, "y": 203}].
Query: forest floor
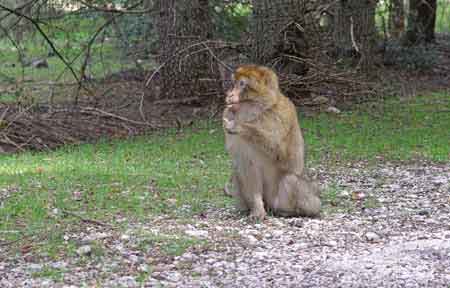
[
  {"x": 384, "y": 224},
  {"x": 400, "y": 237},
  {"x": 120, "y": 106}
]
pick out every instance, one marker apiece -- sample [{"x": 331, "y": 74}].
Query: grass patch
[
  {"x": 54, "y": 274},
  {"x": 395, "y": 130},
  {"x": 147, "y": 175},
  {"x": 334, "y": 202},
  {"x": 168, "y": 245},
  {"x": 443, "y": 16},
  {"x": 183, "y": 173}
]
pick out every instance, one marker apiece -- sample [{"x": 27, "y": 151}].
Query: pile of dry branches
[{"x": 31, "y": 128}]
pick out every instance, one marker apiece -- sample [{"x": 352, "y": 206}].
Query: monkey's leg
[
  {"x": 273, "y": 145},
  {"x": 284, "y": 202},
  {"x": 230, "y": 188},
  {"x": 251, "y": 191},
  {"x": 297, "y": 197},
  {"x": 233, "y": 189},
  {"x": 308, "y": 197}
]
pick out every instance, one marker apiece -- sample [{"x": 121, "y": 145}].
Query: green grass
[
  {"x": 169, "y": 245},
  {"x": 443, "y": 16},
  {"x": 395, "y": 130},
  {"x": 70, "y": 35},
  {"x": 183, "y": 173},
  {"x": 56, "y": 275}
]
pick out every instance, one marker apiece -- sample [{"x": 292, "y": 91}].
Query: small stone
[
  {"x": 372, "y": 237},
  {"x": 127, "y": 281},
  {"x": 344, "y": 194},
  {"x": 144, "y": 268},
  {"x": 189, "y": 257},
  {"x": 174, "y": 277},
  {"x": 251, "y": 240},
  {"x": 358, "y": 196},
  {"x": 200, "y": 270},
  {"x": 84, "y": 250},
  {"x": 260, "y": 255},
  {"x": 277, "y": 233},
  {"x": 133, "y": 258},
  {"x": 96, "y": 236},
  {"x": 58, "y": 265},
  {"x": 296, "y": 223},
  {"x": 34, "y": 267},
  {"x": 77, "y": 195},
  {"x": 320, "y": 100},
  {"x": 159, "y": 268},
  {"x": 333, "y": 110},
  {"x": 125, "y": 237},
  {"x": 332, "y": 243},
  {"x": 197, "y": 233},
  {"x": 424, "y": 212}
]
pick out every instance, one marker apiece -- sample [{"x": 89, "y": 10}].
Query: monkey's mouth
[{"x": 229, "y": 104}]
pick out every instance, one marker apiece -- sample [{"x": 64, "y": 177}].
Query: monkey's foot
[
  {"x": 230, "y": 126},
  {"x": 257, "y": 215},
  {"x": 229, "y": 191}
]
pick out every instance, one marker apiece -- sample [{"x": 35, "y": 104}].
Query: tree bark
[
  {"x": 396, "y": 24},
  {"x": 354, "y": 32},
  {"x": 427, "y": 18},
  {"x": 421, "y": 21},
  {"x": 186, "y": 65}
]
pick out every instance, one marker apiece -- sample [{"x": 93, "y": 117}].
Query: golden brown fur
[{"x": 265, "y": 142}]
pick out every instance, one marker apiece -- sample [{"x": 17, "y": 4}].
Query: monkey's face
[
  {"x": 254, "y": 84},
  {"x": 247, "y": 89},
  {"x": 238, "y": 93}
]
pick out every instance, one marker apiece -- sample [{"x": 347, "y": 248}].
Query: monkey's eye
[{"x": 242, "y": 83}]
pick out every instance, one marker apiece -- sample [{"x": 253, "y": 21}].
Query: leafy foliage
[
  {"x": 232, "y": 19},
  {"x": 419, "y": 57}
]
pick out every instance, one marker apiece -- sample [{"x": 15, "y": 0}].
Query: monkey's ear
[
  {"x": 271, "y": 80},
  {"x": 252, "y": 82},
  {"x": 226, "y": 75}
]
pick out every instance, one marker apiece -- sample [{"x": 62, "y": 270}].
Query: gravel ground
[{"x": 387, "y": 226}]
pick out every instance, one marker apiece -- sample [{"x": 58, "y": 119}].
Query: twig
[
  {"x": 179, "y": 52},
  {"x": 99, "y": 112},
  {"x": 141, "y": 106},
  {"x": 86, "y": 220},
  {"x": 177, "y": 101},
  {"x": 352, "y": 34},
  {"x": 4, "y": 114},
  {"x": 4, "y": 244},
  {"x": 115, "y": 10},
  {"x": 49, "y": 42}
]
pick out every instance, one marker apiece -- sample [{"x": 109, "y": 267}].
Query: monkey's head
[{"x": 253, "y": 83}]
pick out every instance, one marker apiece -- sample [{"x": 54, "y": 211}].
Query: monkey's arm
[
  {"x": 246, "y": 112},
  {"x": 271, "y": 138}
]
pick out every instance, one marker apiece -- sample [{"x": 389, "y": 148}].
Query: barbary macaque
[{"x": 264, "y": 140}]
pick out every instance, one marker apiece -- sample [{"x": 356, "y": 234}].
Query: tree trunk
[
  {"x": 278, "y": 35},
  {"x": 421, "y": 21},
  {"x": 355, "y": 32},
  {"x": 342, "y": 29},
  {"x": 396, "y": 24},
  {"x": 427, "y": 18},
  {"x": 187, "y": 70}
]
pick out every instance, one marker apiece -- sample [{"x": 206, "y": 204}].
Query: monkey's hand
[{"x": 230, "y": 126}]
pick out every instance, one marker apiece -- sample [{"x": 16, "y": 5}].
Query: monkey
[{"x": 264, "y": 140}]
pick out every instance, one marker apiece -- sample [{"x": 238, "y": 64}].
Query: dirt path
[{"x": 391, "y": 228}]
